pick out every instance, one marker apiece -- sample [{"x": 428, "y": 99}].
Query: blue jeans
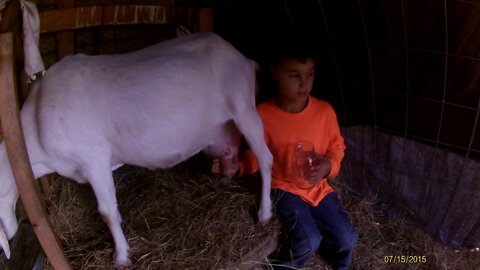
[{"x": 305, "y": 227}]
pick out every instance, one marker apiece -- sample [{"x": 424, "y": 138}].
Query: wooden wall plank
[
  {"x": 136, "y": 14},
  {"x": 70, "y": 18},
  {"x": 89, "y": 16}
]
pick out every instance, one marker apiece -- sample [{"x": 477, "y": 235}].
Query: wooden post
[
  {"x": 19, "y": 161},
  {"x": 204, "y": 20},
  {"x": 65, "y": 40}
]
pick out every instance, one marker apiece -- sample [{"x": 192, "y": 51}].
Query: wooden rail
[
  {"x": 19, "y": 160},
  {"x": 90, "y": 16}
]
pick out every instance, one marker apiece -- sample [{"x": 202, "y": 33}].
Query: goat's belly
[
  {"x": 160, "y": 160},
  {"x": 160, "y": 154}
]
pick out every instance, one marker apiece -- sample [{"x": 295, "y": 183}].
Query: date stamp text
[{"x": 404, "y": 259}]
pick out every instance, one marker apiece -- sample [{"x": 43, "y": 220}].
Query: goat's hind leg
[
  {"x": 100, "y": 178},
  {"x": 251, "y": 127}
]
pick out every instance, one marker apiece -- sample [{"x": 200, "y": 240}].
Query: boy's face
[{"x": 294, "y": 78}]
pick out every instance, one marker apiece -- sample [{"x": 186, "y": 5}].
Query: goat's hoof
[
  {"x": 122, "y": 263},
  {"x": 264, "y": 216}
]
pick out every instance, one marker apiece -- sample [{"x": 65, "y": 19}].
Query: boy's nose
[{"x": 303, "y": 82}]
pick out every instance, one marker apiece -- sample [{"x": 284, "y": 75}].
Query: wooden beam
[
  {"x": 19, "y": 160},
  {"x": 89, "y": 16}
]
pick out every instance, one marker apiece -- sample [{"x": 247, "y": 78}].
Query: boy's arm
[
  {"x": 336, "y": 147},
  {"x": 247, "y": 163}
]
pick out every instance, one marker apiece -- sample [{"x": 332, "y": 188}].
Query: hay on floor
[
  {"x": 379, "y": 237},
  {"x": 173, "y": 219},
  {"x": 182, "y": 219}
]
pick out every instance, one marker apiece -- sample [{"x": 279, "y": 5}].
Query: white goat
[{"x": 152, "y": 108}]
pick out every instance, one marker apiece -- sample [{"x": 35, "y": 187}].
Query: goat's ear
[{"x": 4, "y": 242}]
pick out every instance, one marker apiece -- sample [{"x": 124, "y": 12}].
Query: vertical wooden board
[
  {"x": 65, "y": 42},
  {"x": 204, "y": 20},
  {"x": 10, "y": 17}
]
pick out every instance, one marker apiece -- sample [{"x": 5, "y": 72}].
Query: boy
[{"x": 308, "y": 214}]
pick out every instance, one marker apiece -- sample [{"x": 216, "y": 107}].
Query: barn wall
[
  {"x": 109, "y": 39},
  {"x": 120, "y": 38},
  {"x": 434, "y": 187},
  {"x": 399, "y": 66},
  {"x": 403, "y": 77}
]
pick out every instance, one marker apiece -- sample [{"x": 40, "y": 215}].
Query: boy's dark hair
[
  {"x": 292, "y": 46},
  {"x": 283, "y": 46}
]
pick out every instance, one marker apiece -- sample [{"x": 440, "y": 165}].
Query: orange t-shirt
[{"x": 317, "y": 123}]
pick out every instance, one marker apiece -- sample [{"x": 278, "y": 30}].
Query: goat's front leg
[{"x": 101, "y": 180}]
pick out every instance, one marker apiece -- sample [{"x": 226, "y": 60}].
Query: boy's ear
[{"x": 273, "y": 72}]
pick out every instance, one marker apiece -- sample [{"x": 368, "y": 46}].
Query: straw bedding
[
  {"x": 173, "y": 219},
  {"x": 182, "y": 218},
  {"x": 379, "y": 236}
]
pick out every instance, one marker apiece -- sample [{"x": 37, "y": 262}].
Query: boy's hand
[
  {"x": 216, "y": 166},
  {"x": 320, "y": 169},
  {"x": 227, "y": 167}
]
